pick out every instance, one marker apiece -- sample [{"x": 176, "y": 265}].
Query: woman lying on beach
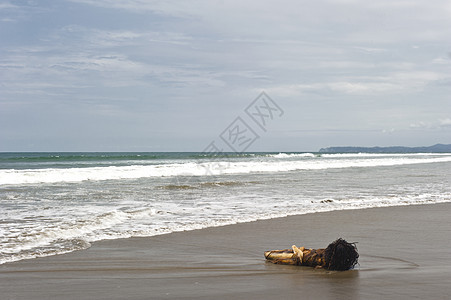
[{"x": 339, "y": 255}]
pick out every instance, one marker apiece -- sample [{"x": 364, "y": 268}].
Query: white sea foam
[
  {"x": 285, "y": 166},
  {"x": 288, "y": 155},
  {"x": 65, "y": 237},
  {"x": 305, "y": 162},
  {"x": 364, "y": 154}
]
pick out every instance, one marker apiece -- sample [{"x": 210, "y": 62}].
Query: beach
[{"x": 404, "y": 251}]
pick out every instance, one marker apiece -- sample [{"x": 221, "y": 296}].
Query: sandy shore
[{"x": 405, "y": 253}]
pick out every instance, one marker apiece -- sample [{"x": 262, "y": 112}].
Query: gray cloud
[{"x": 133, "y": 69}]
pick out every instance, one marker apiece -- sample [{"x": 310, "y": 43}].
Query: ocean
[{"x": 54, "y": 203}]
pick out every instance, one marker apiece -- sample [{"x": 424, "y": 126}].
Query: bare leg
[{"x": 298, "y": 252}]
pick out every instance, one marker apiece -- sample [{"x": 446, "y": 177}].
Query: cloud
[
  {"x": 421, "y": 125},
  {"x": 362, "y": 88},
  {"x": 20, "y": 11},
  {"x": 389, "y": 131},
  {"x": 77, "y": 57},
  {"x": 137, "y": 6},
  {"x": 78, "y": 70},
  {"x": 386, "y": 21},
  {"x": 7, "y": 5},
  {"x": 445, "y": 123},
  {"x": 340, "y": 87},
  {"x": 440, "y": 124},
  {"x": 442, "y": 60},
  {"x": 98, "y": 38},
  {"x": 396, "y": 82},
  {"x": 387, "y": 60},
  {"x": 371, "y": 50}
]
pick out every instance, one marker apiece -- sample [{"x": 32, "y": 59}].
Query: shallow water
[{"x": 60, "y": 202}]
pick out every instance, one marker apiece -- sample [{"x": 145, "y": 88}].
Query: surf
[{"x": 214, "y": 166}]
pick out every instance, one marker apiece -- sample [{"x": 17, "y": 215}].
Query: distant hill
[{"x": 439, "y": 148}]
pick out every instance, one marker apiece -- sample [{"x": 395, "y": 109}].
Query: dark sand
[{"x": 405, "y": 253}]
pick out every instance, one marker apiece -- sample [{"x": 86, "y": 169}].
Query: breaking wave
[{"x": 281, "y": 162}]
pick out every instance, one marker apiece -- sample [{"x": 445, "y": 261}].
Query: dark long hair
[{"x": 341, "y": 255}]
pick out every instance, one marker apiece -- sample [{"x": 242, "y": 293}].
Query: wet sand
[{"x": 405, "y": 253}]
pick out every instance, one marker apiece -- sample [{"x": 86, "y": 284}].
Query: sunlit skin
[{"x": 339, "y": 255}]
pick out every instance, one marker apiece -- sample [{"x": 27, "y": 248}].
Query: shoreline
[
  {"x": 218, "y": 226},
  {"x": 404, "y": 253}
]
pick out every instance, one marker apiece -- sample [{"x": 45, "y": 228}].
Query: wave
[
  {"x": 89, "y": 157},
  {"x": 78, "y": 235},
  {"x": 364, "y": 154},
  {"x": 70, "y": 236},
  {"x": 11, "y": 157},
  {"x": 289, "y": 155},
  {"x": 220, "y": 167}
]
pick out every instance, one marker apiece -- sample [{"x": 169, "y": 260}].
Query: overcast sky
[{"x": 143, "y": 75}]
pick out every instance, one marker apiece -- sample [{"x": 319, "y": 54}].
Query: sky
[{"x": 145, "y": 75}]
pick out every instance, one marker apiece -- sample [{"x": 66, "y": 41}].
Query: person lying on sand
[{"x": 339, "y": 256}]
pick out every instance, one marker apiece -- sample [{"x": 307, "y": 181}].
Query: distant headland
[{"x": 438, "y": 148}]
